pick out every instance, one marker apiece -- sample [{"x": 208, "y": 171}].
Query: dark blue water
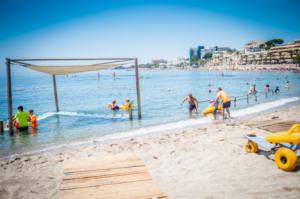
[{"x": 83, "y": 101}]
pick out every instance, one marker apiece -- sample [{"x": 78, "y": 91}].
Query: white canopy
[{"x": 63, "y": 70}]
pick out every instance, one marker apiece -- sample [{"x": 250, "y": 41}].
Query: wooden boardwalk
[
  {"x": 121, "y": 177},
  {"x": 272, "y": 126}
]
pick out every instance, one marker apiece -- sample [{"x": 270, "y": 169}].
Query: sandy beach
[{"x": 206, "y": 161}]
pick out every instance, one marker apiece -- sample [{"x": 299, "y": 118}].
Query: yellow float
[
  {"x": 292, "y": 136},
  {"x": 210, "y": 109},
  {"x": 126, "y": 107}
]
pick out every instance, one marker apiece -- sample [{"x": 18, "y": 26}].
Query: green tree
[
  {"x": 271, "y": 43},
  {"x": 207, "y": 56}
]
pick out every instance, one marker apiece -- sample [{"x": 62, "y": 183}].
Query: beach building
[
  {"x": 195, "y": 55},
  {"x": 253, "y": 46},
  {"x": 159, "y": 62},
  {"x": 221, "y": 56},
  {"x": 284, "y": 53},
  {"x": 200, "y": 52},
  {"x": 179, "y": 63}
]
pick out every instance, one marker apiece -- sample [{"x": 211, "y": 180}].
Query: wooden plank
[
  {"x": 122, "y": 177},
  {"x": 273, "y": 126},
  {"x": 140, "y": 190}
]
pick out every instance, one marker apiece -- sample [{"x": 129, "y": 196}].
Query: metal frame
[{"x": 23, "y": 62}]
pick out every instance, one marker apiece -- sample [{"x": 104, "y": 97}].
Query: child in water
[
  {"x": 113, "y": 106},
  {"x": 33, "y": 119}
]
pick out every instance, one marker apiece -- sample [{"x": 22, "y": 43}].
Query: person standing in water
[
  {"x": 21, "y": 119},
  {"x": 193, "y": 102},
  {"x": 252, "y": 90},
  {"x": 226, "y": 102},
  {"x": 113, "y": 106},
  {"x": 33, "y": 119},
  {"x": 287, "y": 85},
  {"x": 267, "y": 88}
]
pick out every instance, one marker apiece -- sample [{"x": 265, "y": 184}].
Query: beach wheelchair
[{"x": 283, "y": 144}]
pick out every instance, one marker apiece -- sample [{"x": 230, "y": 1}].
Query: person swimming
[
  {"x": 193, "y": 102},
  {"x": 113, "y": 106},
  {"x": 277, "y": 90}
]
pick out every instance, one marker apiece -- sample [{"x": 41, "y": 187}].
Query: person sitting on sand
[
  {"x": 21, "y": 119},
  {"x": 226, "y": 102},
  {"x": 277, "y": 90},
  {"x": 113, "y": 106},
  {"x": 33, "y": 119},
  {"x": 252, "y": 90},
  {"x": 267, "y": 88},
  {"x": 193, "y": 102}
]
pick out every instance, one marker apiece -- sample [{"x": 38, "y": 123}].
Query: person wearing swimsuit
[{"x": 193, "y": 102}]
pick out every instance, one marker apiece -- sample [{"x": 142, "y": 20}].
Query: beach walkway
[
  {"x": 123, "y": 177},
  {"x": 273, "y": 125}
]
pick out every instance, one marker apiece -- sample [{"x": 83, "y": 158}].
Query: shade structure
[
  {"x": 54, "y": 70},
  {"x": 64, "y": 70}
]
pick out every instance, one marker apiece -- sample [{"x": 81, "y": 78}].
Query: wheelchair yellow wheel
[
  {"x": 286, "y": 159},
  {"x": 251, "y": 147}
]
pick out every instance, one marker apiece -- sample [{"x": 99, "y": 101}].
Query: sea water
[{"x": 83, "y": 100}]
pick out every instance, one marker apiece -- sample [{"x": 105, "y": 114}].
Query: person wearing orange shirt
[
  {"x": 225, "y": 101},
  {"x": 33, "y": 119}
]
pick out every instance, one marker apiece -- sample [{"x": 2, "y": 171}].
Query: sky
[{"x": 144, "y": 29}]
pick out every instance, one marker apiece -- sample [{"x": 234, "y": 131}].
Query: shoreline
[
  {"x": 210, "y": 156},
  {"x": 266, "y": 107}
]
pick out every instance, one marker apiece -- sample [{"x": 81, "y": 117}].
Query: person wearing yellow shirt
[{"x": 225, "y": 99}]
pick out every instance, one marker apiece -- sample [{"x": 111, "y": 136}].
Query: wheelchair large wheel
[{"x": 286, "y": 159}]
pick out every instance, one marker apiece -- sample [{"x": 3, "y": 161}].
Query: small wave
[
  {"x": 263, "y": 107},
  {"x": 77, "y": 114}
]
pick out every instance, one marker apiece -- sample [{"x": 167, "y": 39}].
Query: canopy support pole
[
  {"x": 55, "y": 93},
  {"x": 9, "y": 96},
  {"x": 137, "y": 81}
]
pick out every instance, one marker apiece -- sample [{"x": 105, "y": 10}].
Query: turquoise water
[{"x": 83, "y": 100}]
